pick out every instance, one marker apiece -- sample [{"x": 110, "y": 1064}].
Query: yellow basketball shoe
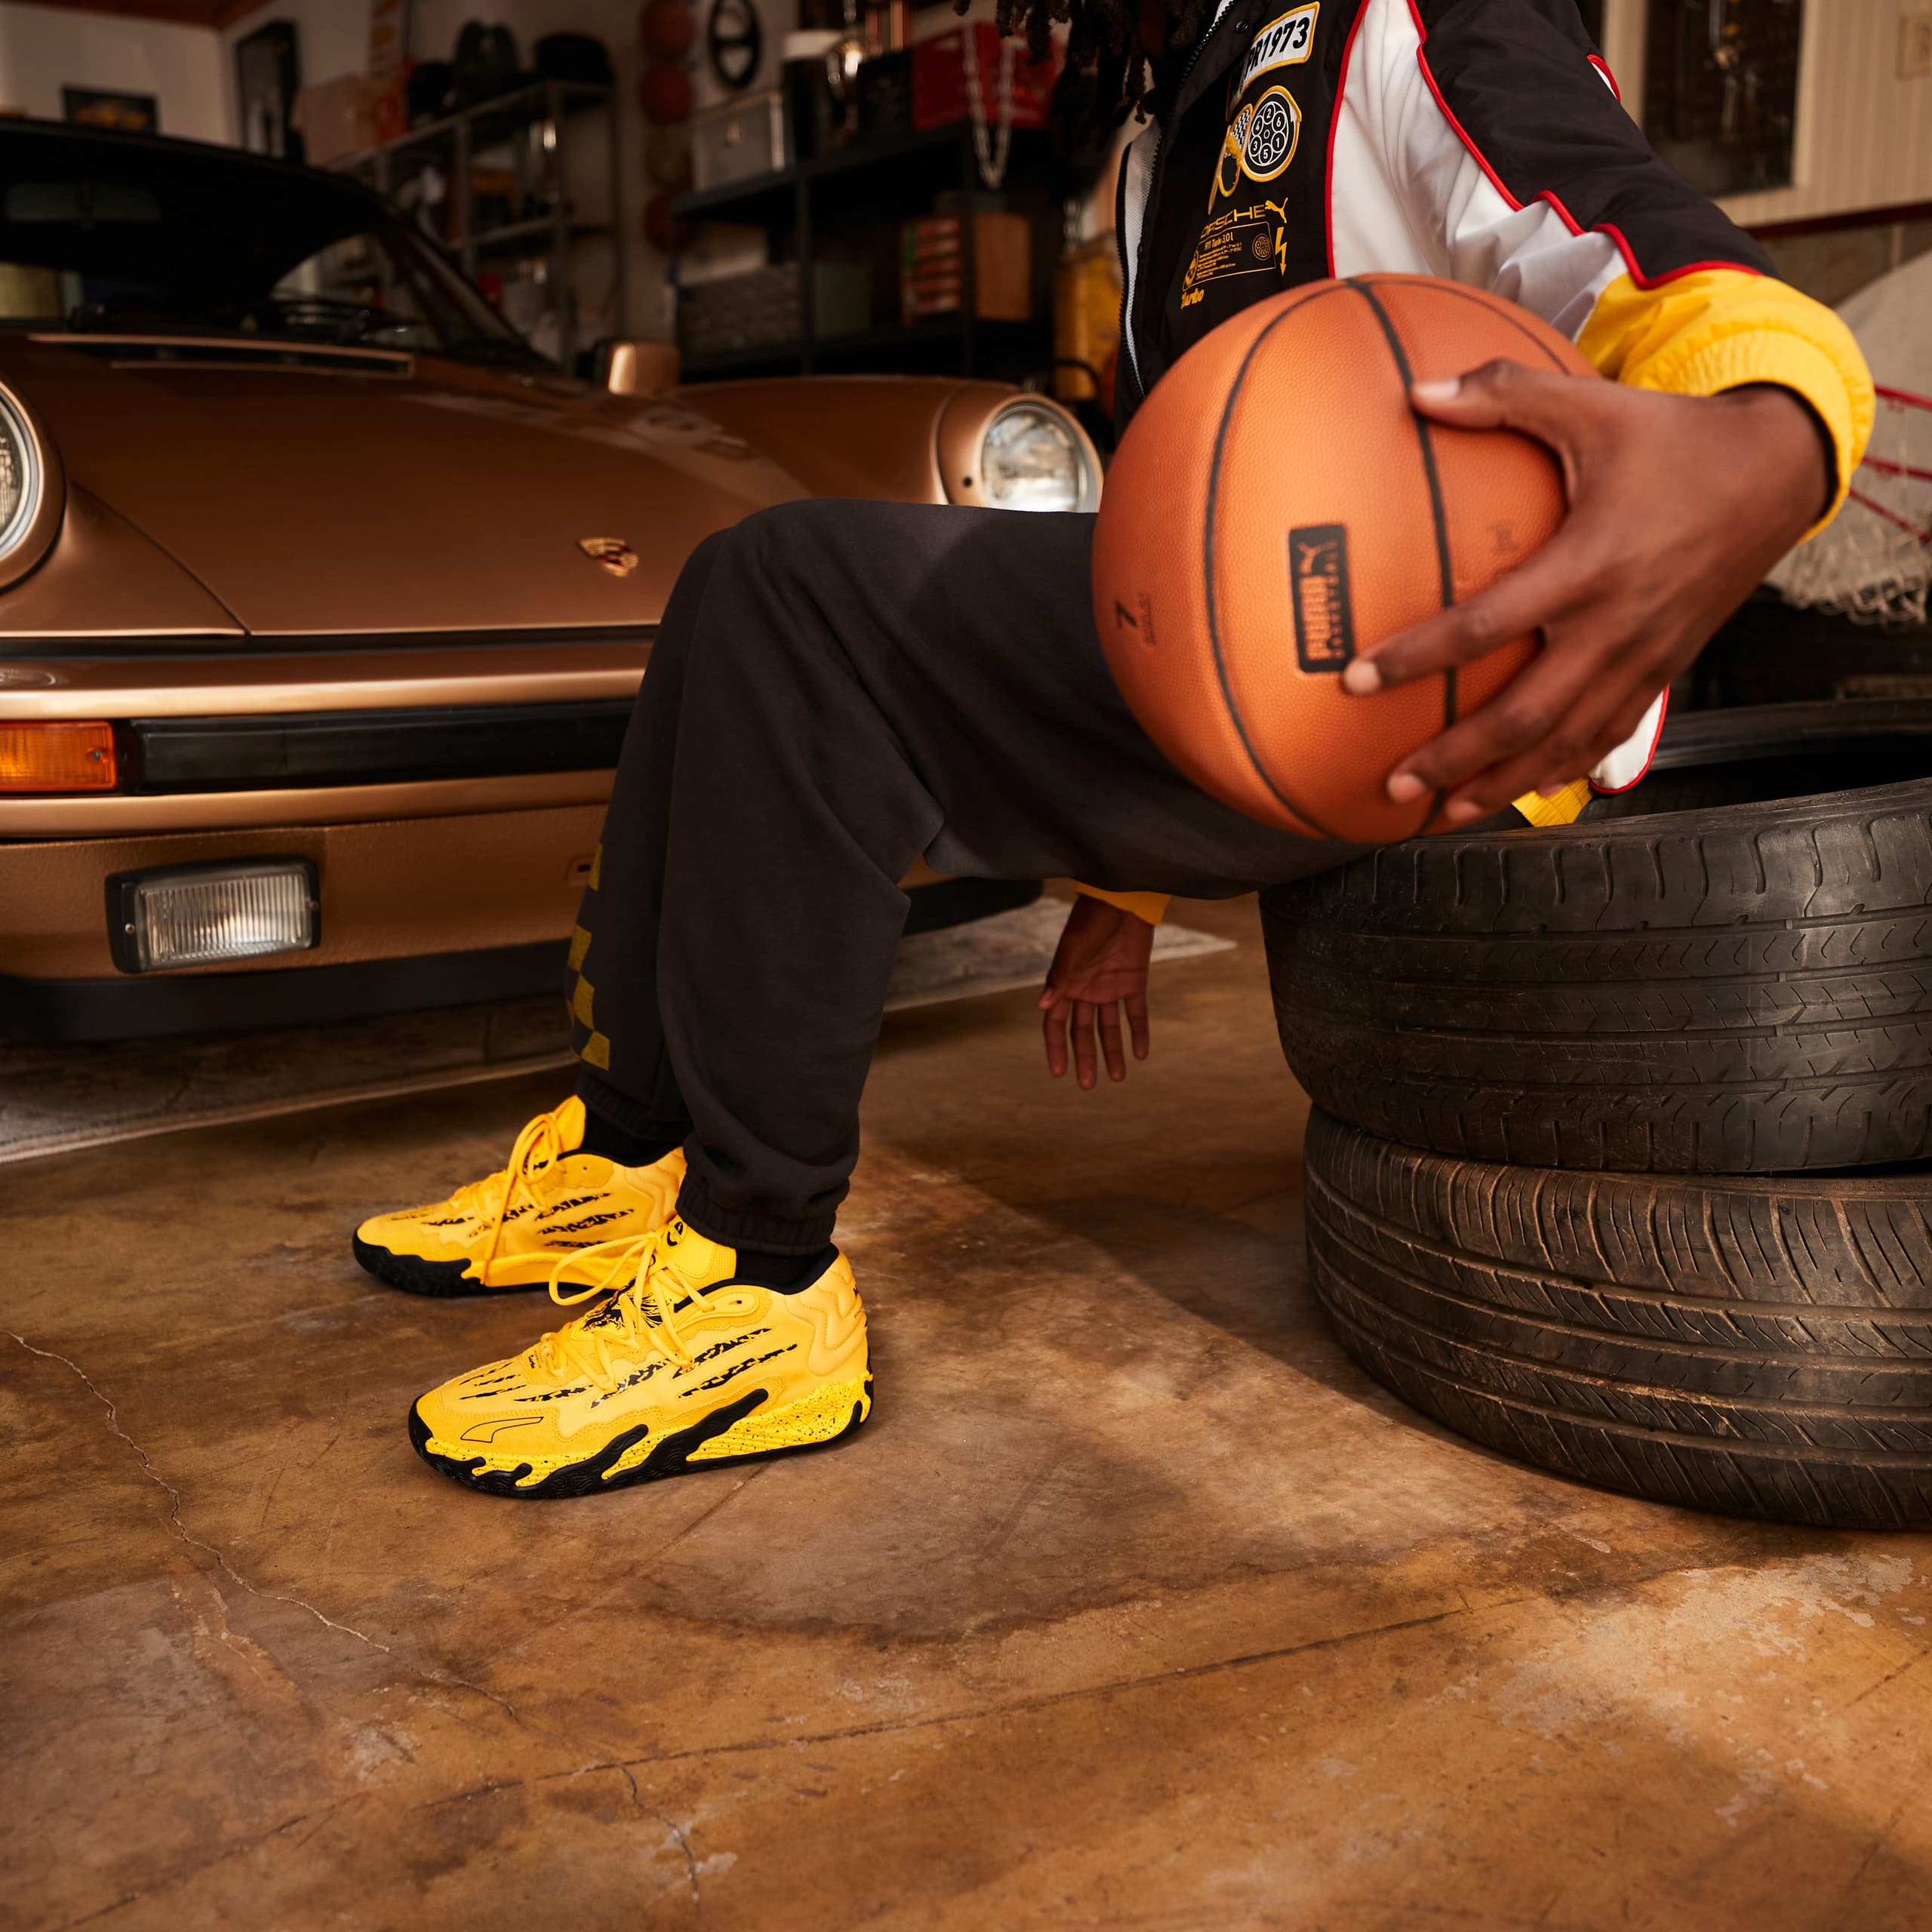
[
  {"x": 682, "y": 1368},
  {"x": 506, "y": 1230}
]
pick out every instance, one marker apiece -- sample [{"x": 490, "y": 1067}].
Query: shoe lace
[
  {"x": 643, "y": 1314},
  {"x": 540, "y": 1144}
]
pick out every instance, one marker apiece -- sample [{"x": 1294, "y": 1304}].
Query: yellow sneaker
[
  {"x": 506, "y": 1230},
  {"x": 682, "y": 1368}
]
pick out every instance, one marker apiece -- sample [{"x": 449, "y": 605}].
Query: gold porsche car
[{"x": 323, "y": 598}]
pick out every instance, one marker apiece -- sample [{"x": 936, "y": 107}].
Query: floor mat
[{"x": 56, "y": 1098}]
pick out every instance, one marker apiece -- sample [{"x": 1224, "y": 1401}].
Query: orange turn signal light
[{"x": 57, "y": 756}]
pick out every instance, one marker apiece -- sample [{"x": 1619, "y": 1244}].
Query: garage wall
[
  {"x": 334, "y": 38},
  {"x": 43, "y": 49},
  {"x": 1864, "y": 134}
]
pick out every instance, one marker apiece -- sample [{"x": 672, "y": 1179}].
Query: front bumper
[
  {"x": 391, "y": 890},
  {"x": 149, "y": 1005},
  {"x": 434, "y": 889},
  {"x": 449, "y": 791}
]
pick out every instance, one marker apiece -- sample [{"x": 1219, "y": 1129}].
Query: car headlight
[
  {"x": 21, "y": 477},
  {"x": 1030, "y": 460}
]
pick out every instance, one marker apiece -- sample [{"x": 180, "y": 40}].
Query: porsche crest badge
[{"x": 610, "y": 553}]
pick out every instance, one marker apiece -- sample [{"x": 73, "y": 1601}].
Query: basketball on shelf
[
  {"x": 667, "y": 29},
  {"x": 664, "y": 91},
  {"x": 1276, "y": 507}
]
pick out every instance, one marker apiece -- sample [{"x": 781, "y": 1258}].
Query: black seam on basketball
[
  {"x": 1444, "y": 565},
  {"x": 1496, "y": 307},
  {"x": 1213, "y": 498}
]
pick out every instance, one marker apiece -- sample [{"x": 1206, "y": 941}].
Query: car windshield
[{"x": 144, "y": 237}]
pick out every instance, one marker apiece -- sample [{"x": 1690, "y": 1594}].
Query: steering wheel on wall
[{"x": 734, "y": 40}]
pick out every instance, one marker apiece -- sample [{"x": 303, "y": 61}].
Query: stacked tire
[
  {"x": 1771, "y": 652},
  {"x": 1622, "y": 1158}
]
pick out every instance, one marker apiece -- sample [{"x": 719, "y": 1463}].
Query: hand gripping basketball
[{"x": 1278, "y": 507}]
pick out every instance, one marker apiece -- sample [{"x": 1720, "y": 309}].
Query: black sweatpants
[{"x": 839, "y": 687}]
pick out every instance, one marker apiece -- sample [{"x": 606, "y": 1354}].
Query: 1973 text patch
[{"x": 1286, "y": 43}]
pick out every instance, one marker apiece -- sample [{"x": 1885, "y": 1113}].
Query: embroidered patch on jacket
[
  {"x": 1242, "y": 242},
  {"x": 1285, "y": 42},
  {"x": 1270, "y": 136}
]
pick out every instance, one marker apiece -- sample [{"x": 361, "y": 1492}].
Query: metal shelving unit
[
  {"x": 851, "y": 195},
  {"x": 553, "y": 109}
]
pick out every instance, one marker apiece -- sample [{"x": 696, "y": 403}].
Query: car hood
[{"x": 385, "y": 493}]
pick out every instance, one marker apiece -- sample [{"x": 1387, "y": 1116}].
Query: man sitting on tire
[{"x": 839, "y": 688}]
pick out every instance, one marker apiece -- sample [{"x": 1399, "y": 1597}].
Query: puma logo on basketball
[
  {"x": 1142, "y": 621},
  {"x": 1319, "y": 579}
]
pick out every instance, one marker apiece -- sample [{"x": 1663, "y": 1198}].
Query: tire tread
[{"x": 1760, "y": 1347}]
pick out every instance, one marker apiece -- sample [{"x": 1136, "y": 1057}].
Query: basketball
[{"x": 1276, "y": 507}]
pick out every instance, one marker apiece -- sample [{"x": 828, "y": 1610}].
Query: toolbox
[
  {"x": 761, "y": 309},
  {"x": 739, "y": 140}
]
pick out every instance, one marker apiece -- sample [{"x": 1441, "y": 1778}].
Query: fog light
[
  {"x": 198, "y": 916},
  {"x": 57, "y": 756}
]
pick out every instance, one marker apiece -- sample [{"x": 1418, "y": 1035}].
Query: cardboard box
[
  {"x": 337, "y": 118},
  {"x": 932, "y": 267}
]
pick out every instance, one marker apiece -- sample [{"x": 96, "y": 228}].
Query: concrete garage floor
[{"x": 1136, "y": 1606}]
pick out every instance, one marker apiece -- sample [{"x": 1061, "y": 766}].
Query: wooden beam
[
  {"x": 177, "y": 13},
  {"x": 1829, "y": 224}
]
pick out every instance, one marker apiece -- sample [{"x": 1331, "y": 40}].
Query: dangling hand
[{"x": 1100, "y": 967}]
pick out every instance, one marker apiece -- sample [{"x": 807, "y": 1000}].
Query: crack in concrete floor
[
  {"x": 1477, "y": 1792},
  {"x": 442, "y": 1680}
]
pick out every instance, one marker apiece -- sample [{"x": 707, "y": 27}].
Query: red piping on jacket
[
  {"x": 1335, "y": 128},
  {"x": 1617, "y": 791},
  {"x": 1569, "y": 220}
]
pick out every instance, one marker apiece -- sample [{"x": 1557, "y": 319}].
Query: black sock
[
  {"x": 784, "y": 1273},
  {"x": 603, "y": 1136}
]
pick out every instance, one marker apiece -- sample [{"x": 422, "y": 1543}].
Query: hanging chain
[{"x": 991, "y": 155}]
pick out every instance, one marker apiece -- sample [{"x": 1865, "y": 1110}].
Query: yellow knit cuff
[
  {"x": 1702, "y": 333},
  {"x": 1564, "y": 809},
  {"x": 1152, "y": 906},
  {"x": 1733, "y": 358}
]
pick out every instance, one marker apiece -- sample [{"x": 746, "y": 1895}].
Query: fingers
[
  {"x": 1109, "y": 1019},
  {"x": 1561, "y": 410},
  {"x": 1530, "y": 732},
  {"x": 1079, "y": 1021},
  {"x": 1054, "y": 1025},
  {"x": 1577, "y": 567},
  {"x": 1523, "y": 717},
  {"x": 1083, "y": 1056},
  {"x": 1621, "y": 726},
  {"x": 1595, "y": 725},
  {"x": 1561, "y": 578}
]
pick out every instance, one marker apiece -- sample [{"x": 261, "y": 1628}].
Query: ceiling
[{"x": 182, "y": 13}]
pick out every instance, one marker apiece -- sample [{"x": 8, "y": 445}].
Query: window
[
  {"x": 127, "y": 236},
  {"x": 1720, "y": 89}
]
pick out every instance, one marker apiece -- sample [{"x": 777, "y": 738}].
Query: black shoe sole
[
  {"x": 672, "y": 1457},
  {"x": 416, "y": 1276}
]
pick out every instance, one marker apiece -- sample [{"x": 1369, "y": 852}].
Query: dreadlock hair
[{"x": 1103, "y": 40}]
